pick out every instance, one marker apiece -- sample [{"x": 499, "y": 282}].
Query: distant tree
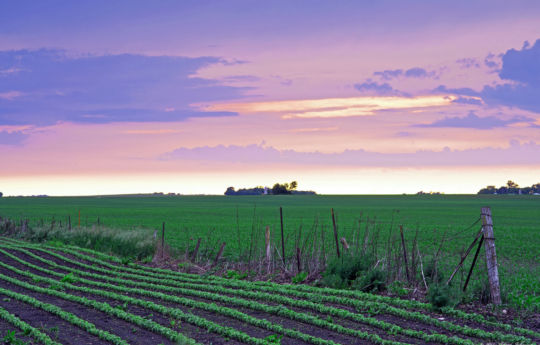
[
  {"x": 293, "y": 185},
  {"x": 488, "y": 190},
  {"x": 1, "y": 195},
  {"x": 511, "y": 184},
  {"x": 230, "y": 191},
  {"x": 279, "y": 188},
  {"x": 511, "y": 188}
]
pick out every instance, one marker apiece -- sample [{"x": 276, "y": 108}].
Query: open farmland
[
  {"x": 448, "y": 222},
  {"x": 72, "y": 296}
]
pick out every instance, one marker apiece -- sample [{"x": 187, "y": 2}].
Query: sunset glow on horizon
[{"x": 194, "y": 97}]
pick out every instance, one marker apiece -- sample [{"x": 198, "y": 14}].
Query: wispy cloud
[
  {"x": 152, "y": 131},
  {"x": 10, "y": 95},
  {"x": 312, "y": 130},
  {"x": 370, "y": 87},
  {"x": 415, "y": 72},
  {"x": 334, "y": 107},
  {"x": 467, "y": 63},
  {"x": 477, "y": 122},
  {"x": 13, "y": 138}
]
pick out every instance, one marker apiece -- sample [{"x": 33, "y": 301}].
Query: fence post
[
  {"x": 335, "y": 233},
  {"x": 404, "y": 253},
  {"x": 162, "y": 240},
  {"x": 282, "y": 236},
  {"x": 69, "y": 222},
  {"x": 491, "y": 255},
  {"x": 268, "y": 249},
  {"x": 298, "y": 260},
  {"x": 194, "y": 256},
  {"x": 218, "y": 256}
]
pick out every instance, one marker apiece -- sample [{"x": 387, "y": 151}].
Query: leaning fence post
[
  {"x": 491, "y": 255},
  {"x": 194, "y": 256},
  {"x": 218, "y": 256}
]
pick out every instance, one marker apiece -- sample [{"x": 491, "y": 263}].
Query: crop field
[
  {"x": 69, "y": 295},
  {"x": 445, "y": 223}
]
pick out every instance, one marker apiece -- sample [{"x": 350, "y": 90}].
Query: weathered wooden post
[
  {"x": 194, "y": 256},
  {"x": 335, "y": 233},
  {"x": 268, "y": 249},
  {"x": 162, "y": 240},
  {"x": 218, "y": 256},
  {"x": 298, "y": 260},
  {"x": 491, "y": 255},
  {"x": 404, "y": 253},
  {"x": 282, "y": 236}
]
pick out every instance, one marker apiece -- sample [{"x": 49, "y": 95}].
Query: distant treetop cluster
[
  {"x": 511, "y": 188},
  {"x": 277, "y": 189}
]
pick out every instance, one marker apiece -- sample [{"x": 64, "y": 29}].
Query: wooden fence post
[
  {"x": 491, "y": 256},
  {"x": 473, "y": 263},
  {"x": 162, "y": 240},
  {"x": 404, "y": 253},
  {"x": 268, "y": 249},
  {"x": 335, "y": 233},
  {"x": 194, "y": 256},
  {"x": 298, "y": 260},
  {"x": 282, "y": 236},
  {"x": 69, "y": 222},
  {"x": 218, "y": 256}
]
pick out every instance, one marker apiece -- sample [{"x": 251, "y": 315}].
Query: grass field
[
  {"x": 240, "y": 222},
  {"x": 67, "y": 295}
]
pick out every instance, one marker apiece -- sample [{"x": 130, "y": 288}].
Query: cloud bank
[
  {"x": 42, "y": 87},
  {"x": 515, "y": 153}
]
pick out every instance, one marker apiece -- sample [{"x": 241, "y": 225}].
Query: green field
[{"x": 240, "y": 221}]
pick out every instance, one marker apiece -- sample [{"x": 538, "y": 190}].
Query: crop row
[
  {"x": 103, "y": 307},
  {"x": 303, "y": 296},
  {"x": 101, "y": 259},
  {"x": 262, "y": 323},
  {"x": 391, "y": 329},
  {"x": 26, "y": 328},
  {"x": 219, "y": 296},
  {"x": 67, "y": 316}
]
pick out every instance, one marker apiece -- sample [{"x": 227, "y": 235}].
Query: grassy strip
[
  {"x": 26, "y": 328},
  {"x": 103, "y": 307},
  {"x": 358, "y": 304},
  {"x": 67, "y": 316},
  {"x": 280, "y": 311}
]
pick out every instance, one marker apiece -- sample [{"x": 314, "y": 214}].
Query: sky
[{"x": 191, "y": 97}]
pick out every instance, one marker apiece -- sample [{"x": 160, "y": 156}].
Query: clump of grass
[{"x": 133, "y": 243}]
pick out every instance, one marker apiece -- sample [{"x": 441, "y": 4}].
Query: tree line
[
  {"x": 277, "y": 189},
  {"x": 511, "y": 188}
]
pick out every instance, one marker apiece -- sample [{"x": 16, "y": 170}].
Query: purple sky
[{"x": 131, "y": 96}]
